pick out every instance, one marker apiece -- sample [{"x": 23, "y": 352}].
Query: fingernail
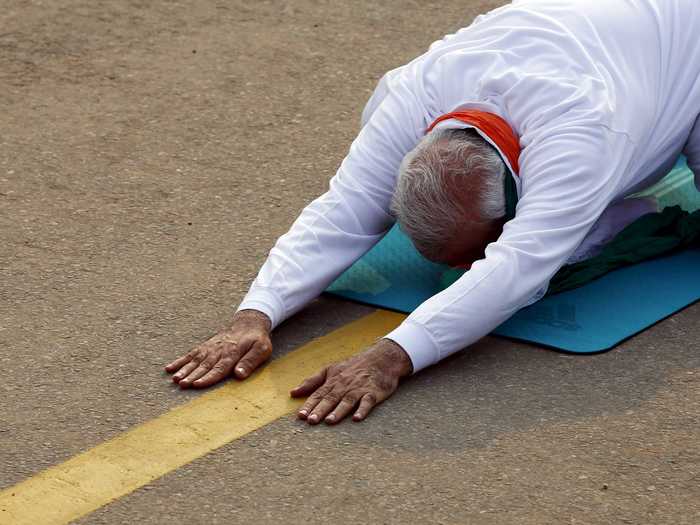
[
  {"x": 240, "y": 370},
  {"x": 303, "y": 412},
  {"x": 313, "y": 418},
  {"x": 330, "y": 418}
]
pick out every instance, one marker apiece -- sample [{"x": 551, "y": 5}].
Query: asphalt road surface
[{"x": 150, "y": 154}]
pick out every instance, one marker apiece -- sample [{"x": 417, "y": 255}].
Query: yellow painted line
[{"x": 133, "y": 459}]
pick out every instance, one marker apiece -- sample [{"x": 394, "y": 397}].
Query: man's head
[{"x": 449, "y": 197}]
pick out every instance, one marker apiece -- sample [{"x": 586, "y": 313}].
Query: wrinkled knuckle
[
  {"x": 318, "y": 395},
  {"x": 220, "y": 366},
  {"x": 313, "y": 398},
  {"x": 324, "y": 391},
  {"x": 231, "y": 343},
  {"x": 227, "y": 346},
  {"x": 226, "y": 359},
  {"x": 371, "y": 398},
  {"x": 347, "y": 379},
  {"x": 351, "y": 398},
  {"x": 333, "y": 397},
  {"x": 229, "y": 352}
]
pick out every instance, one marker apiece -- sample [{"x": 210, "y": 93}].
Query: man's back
[
  {"x": 632, "y": 66},
  {"x": 647, "y": 53}
]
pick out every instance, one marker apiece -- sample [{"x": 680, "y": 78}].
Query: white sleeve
[
  {"x": 341, "y": 225},
  {"x": 568, "y": 178}
]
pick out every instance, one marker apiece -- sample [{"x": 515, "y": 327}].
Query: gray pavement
[{"x": 150, "y": 154}]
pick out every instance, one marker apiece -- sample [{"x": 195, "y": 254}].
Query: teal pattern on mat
[{"x": 589, "y": 319}]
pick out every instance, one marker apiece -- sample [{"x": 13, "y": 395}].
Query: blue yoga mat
[{"x": 590, "y": 319}]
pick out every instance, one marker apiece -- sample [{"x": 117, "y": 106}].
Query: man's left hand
[{"x": 363, "y": 381}]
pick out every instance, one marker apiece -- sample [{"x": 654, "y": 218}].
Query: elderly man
[{"x": 563, "y": 106}]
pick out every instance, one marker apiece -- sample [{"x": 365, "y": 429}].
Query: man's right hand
[{"x": 241, "y": 348}]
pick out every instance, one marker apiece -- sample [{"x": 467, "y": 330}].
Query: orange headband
[{"x": 494, "y": 127}]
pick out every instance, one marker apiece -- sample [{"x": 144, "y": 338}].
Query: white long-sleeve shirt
[{"x": 604, "y": 95}]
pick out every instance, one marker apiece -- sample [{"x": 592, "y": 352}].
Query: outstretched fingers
[
  {"x": 207, "y": 364},
  {"x": 238, "y": 349},
  {"x": 219, "y": 371},
  {"x": 310, "y": 384},
  {"x": 179, "y": 363},
  {"x": 185, "y": 370},
  {"x": 327, "y": 403},
  {"x": 367, "y": 404},
  {"x": 313, "y": 400},
  {"x": 201, "y": 370},
  {"x": 256, "y": 356},
  {"x": 345, "y": 406}
]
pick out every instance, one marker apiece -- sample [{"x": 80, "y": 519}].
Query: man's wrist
[
  {"x": 255, "y": 316},
  {"x": 396, "y": 357}
]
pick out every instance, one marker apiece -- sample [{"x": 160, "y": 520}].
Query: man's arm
[
  {"x": 568, "y": 180},
  {"x": 341, "y": 225},
  {"x": 329, "y": 235}
]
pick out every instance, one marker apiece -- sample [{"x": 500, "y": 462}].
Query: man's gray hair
[{"x": 427, "y": 203}]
